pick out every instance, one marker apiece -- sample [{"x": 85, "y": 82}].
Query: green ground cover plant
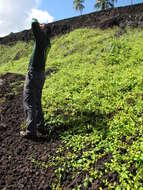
[
  {"x": 96, "y": 95},
  {"x": 15, "y": 57}
]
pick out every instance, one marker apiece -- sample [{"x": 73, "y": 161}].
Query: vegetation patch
[
  {"x": 96, "y": 95},
  {"x": 16, "y": 86}
]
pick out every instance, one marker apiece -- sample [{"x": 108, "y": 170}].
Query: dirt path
[{"x": 16, "y": 168}]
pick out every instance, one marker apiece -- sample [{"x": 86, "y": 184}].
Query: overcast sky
[{"x": 16, "y": 15}]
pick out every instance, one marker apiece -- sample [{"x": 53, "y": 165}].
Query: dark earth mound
[{"x": 16, "y": 168}]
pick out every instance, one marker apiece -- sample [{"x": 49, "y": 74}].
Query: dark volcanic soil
[{"x": 16, "y": 168}]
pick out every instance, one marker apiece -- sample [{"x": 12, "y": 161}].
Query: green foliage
[
  {"x": 78, "y": 5},
  {"x": 16, "y": 86},
  {"x": 96, "y": 95},
  {"x": 23, "y": 125},
  {"x": 105, "y": 4},
  {"x": 14, "y": 58},
  {"x": 100, "y": 4}
]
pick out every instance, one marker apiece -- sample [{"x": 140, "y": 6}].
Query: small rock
[{"x": 19, "y": 150}]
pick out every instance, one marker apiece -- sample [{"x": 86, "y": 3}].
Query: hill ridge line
[{"x": 131, "y": 15}]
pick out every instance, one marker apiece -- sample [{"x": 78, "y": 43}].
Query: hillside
[
  {"x": 93, "y": 103},
  {"x": 120, "y": 16}
]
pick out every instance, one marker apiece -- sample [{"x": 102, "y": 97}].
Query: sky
[{"x": 16, "y": 15}]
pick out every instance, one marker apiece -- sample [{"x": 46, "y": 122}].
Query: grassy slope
[{"x": 96, "y": 93}]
